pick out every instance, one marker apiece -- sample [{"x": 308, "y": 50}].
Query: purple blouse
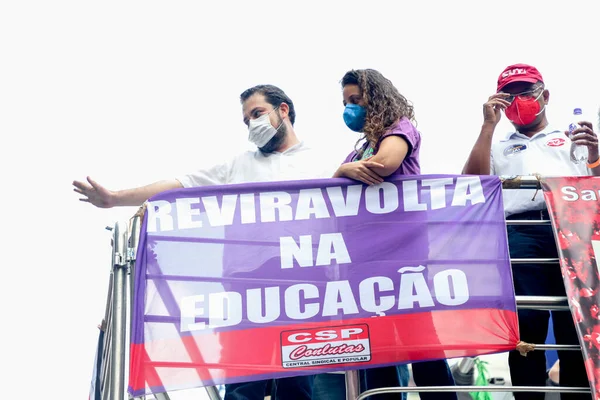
[{"x": 407, "y": 131}]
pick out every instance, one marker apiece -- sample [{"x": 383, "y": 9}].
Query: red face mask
[{"x": 523, "y": 110}]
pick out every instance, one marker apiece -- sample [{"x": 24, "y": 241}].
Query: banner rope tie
[
  {"x": 539, "y": 179},
  {"x": 523, "y": 348}
]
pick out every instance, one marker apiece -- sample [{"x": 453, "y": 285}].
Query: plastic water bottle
[{"x": 579, "y": 153}]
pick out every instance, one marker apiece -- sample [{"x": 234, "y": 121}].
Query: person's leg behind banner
[
  {"x": 246, "y": 390},
  {"x": 530, "y": 370},
  {"x": 530, "y": 280},
  {"x": 333, "y": 386},
  {"x": 255, "y": 390},
  {"x": 434, "y": 373},
  {"x": 295, "y": 388},
  {"x": 572, "y": 368},
  {"x": 329, "y": 386},
  {"x": 385, "y": 377}
]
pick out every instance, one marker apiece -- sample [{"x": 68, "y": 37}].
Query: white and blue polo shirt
[{"x": 547, "y": 154}]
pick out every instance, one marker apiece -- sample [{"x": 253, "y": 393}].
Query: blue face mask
[{"x": 355, "y": 116}]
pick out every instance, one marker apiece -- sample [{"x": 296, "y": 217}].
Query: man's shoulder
[
  {"x": 246, "y": 155},
  {"x": 309, "y": 149}
]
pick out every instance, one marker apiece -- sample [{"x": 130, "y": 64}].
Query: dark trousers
[
  {"x": 537, "y": 241},
  {"x": 296, "y": 388},
  {"x": 433, "y": 373},
  {"x": 429, "y": 373},
  {"x": 385, "y": 377}
]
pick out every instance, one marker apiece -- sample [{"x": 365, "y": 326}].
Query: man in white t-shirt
[
  {"x": 270, "y": 115},
  {"x": 279, "y": 156},
  {"x": 534, "y": 148}
]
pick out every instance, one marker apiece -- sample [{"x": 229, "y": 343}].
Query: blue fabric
[{"x": 355, "y": 117}]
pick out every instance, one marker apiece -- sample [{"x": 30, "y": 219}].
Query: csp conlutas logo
[{"x": 325, "y": 346}]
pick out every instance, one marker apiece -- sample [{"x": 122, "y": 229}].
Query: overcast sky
[{"x": 130, "y": 92}]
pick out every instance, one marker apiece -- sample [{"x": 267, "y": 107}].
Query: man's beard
[{"x": 277, "y": 140}]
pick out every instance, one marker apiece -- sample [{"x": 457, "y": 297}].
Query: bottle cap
[{"x": 577, "y": 111}]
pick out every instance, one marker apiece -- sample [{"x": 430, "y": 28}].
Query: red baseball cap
[{"x": 519, "y": 73}]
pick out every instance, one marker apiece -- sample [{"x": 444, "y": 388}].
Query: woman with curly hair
[{"x": 374, "y": 107}]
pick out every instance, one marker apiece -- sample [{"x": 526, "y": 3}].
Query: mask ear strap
[
  {"x": 536, "y": 99},
  {"x": 541, "y": 111},
  {"x": 281, "y": 119}
]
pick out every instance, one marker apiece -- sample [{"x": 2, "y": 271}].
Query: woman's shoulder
[{"x": 403, "y": 127}]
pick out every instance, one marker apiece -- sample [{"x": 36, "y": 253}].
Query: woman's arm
[
  {"x": 361, "y": 171},
  {"x": 391, "y": 153}
]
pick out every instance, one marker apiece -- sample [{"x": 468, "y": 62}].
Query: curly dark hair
[{"x": 384, "y": 103}]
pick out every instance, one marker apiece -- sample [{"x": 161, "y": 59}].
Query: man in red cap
[{"x": 535, "y": 147}]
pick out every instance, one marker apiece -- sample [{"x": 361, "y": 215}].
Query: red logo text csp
[{"x": 325, "y": 346}]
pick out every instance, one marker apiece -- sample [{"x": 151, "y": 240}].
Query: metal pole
[
  {"x": 534, "y": 260},
  {"x": 440, "y": 389},
  {"x": 134, "y": 240},
  {"x": 118, "y": 331},
  {"x": 213, "y": 393},
  {"x": 352, "y": 385},
  {"x": 132, "y": 245},
  {"x": 520, "y": 182},
  {"x": 542, "y": 302},
  {"x": 107, "y": 350},
  {"x": 557, "y": 347},
  {"x": 528, "y": 222}
]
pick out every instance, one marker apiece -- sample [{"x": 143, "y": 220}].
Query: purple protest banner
[{"x": 252, "y": 281}]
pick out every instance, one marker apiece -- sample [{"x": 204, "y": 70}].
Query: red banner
[{"x": 574, "y": 208}]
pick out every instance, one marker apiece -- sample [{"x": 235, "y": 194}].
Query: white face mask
[{"x": 260, "y": 130}]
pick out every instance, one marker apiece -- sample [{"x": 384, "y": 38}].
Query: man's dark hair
[{"x": 274, "y": 97}]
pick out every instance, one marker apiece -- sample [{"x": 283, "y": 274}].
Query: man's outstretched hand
[{"x": 95, "y": 194}]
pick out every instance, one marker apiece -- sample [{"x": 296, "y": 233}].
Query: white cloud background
[{"x": 130, "y": 92}]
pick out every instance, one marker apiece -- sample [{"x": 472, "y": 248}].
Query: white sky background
[{"x": 130, "y": 92}]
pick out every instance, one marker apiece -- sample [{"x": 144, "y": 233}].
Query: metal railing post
[
  {"x": 119, "y": 313},
  {"x": 134, "y": 239},
  {"x": 352, "y": 384},
  {"x": 105, "y": 364},
  {"x": 213, "y": 393}
]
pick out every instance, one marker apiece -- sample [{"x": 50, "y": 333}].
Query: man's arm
[
  {"x": 98, "y": 195},
  {"x": 478, "y": 162}
]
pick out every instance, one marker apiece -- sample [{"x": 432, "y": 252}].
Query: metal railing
[
  {"x": 119, "y": 305},
  {"x": 112, "y": 371},
  {"x": 551, "y": 303},
  {"x": 119, "y": 310}
]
